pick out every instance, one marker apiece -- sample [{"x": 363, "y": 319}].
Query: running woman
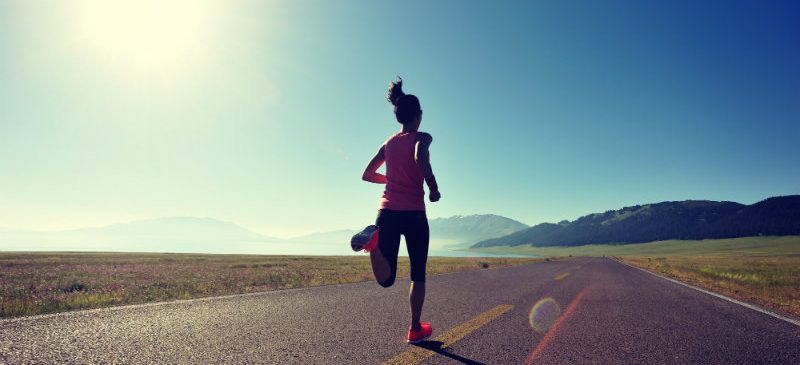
[{"x": 402, "y": 206}]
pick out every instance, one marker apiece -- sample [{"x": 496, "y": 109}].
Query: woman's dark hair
[{"x": 406, "y": 106}]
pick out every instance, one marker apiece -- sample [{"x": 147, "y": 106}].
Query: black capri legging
[{"x": 413, "y": 224}]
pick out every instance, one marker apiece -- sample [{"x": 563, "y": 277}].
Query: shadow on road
[{"x": 436, "y": 346}]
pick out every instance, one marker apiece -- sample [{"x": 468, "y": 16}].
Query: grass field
[
  {"x": 760, "y": 270},
  {"x": 36, "y": 283}
]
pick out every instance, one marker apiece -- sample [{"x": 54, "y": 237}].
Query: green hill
[{"x": 685, "y": 220}]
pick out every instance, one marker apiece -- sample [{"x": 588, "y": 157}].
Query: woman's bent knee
[{"x": 386, "y": 283}]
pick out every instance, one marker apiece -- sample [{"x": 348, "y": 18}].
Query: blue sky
[{"x": 265, "y": 113}]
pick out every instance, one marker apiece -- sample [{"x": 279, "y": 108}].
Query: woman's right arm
[{"x": 370, "y": 173}]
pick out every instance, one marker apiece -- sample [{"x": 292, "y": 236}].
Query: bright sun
[{"x": 145, "y": 36}]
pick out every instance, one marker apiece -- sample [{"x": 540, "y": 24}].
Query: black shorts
[{"x": 412, "y": 224}]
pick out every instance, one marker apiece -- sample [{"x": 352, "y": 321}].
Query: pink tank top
[{"x": 404, "y": 180}]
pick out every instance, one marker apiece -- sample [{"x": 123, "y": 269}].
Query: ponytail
[
  {"x": 396, "y": 91},
  {"x": 406, "y": 106}
]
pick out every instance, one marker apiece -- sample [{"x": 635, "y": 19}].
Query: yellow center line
[
  {"x": 561, "y": 276},
  {"x": 418, "y": 354}
]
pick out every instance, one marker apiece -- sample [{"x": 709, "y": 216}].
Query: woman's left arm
[
  {"x": 423, "y": 159},
  {"x": 370, "y": 173}
]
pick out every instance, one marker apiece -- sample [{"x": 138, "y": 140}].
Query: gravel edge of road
[{"x": 794, "y": 321}]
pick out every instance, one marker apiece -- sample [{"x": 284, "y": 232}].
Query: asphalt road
[{"x": 590, "y": 311}]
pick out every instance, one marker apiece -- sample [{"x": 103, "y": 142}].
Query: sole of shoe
[
  {"x": 419, "y": 340},
  {"x": 363, "y": 241}
]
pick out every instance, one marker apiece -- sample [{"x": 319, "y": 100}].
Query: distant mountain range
[
  {"x": 465, "y": 230},
  {"x": 458, "y": 231},
  {"x": 194, "y": 234},
  {"x": 171, "y": 234},
  {"x": 177, "y": 228},
  {"x": 684, "y": 220},
  {"x": 691, "y": 219}
]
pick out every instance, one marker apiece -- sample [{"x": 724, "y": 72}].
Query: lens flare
[{"x": 543, "y": 314}]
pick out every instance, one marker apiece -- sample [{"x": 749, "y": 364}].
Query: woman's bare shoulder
[{"x": 424, "y": 137}]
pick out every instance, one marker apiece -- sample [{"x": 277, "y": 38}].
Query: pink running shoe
[
  {"x": 365, "y": 240},
  {"x": 424, "y": 332}
]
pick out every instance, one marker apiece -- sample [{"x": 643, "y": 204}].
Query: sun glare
[{"x": 145, "y": 36}]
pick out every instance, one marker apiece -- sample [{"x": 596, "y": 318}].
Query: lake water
[
  {"x": 454, "y": 253},
  {"x": 328, "y": 249},
  {"x": 250, "y": 248}
]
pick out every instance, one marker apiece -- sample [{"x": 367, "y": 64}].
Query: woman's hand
[{"x": 435, "y": 196}]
